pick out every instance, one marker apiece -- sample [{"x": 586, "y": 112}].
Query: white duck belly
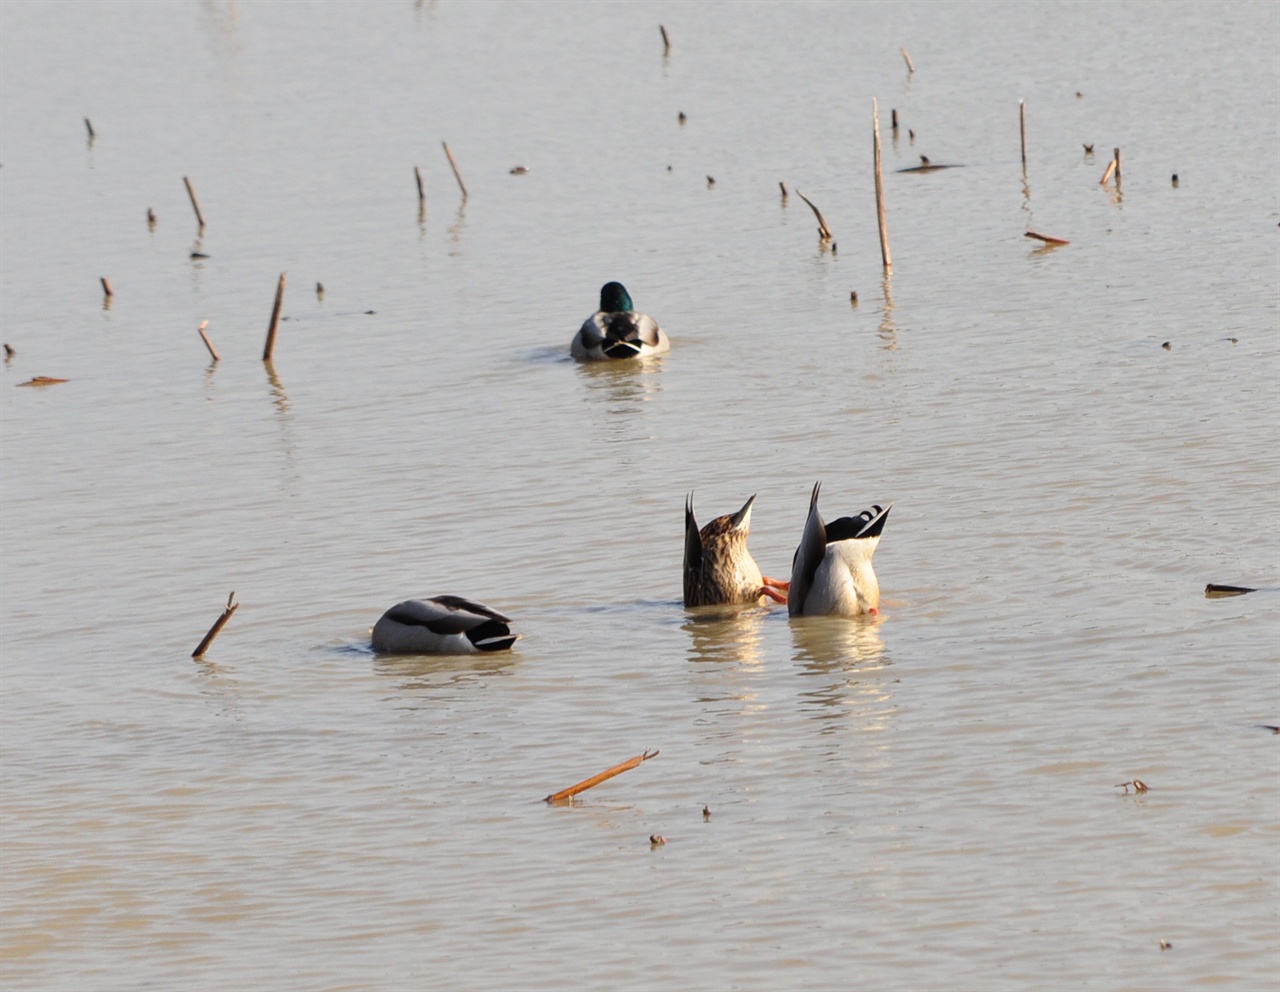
[{"x": 844, "y": 584}]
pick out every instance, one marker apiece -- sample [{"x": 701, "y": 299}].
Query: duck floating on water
[
  {"x": 718, "y": 568},
  {"x": 617, "y": 330},
  {"x": 442, "y": 625},
  {"x": 831, "y": 572}
]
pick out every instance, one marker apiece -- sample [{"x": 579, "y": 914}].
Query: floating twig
[
  {"x": 884, "y": 231},
  {"x": 151, "y": 218},
  {"x": 205, "y": 338},
  {"x": 422, "y": 193},
  {"x": 1022, "y": 127},
  {"x": 627, "y": 765},
  {"x": 783, "y": 186},
  {"x": 893, "y": 119},
  {"x": 454, "y": 165},
  {"x": 217, "y": 626},
  {"x": 666, "y": 40},
  {"x": 907, "y": 58},
  {"x": 1214, "y": 591},
  {"x": 656, "y": 841},
  {"x": 270, "y": 348},
  {"x": 519, "y": 170},
  {"x": 1047, "y": 239},
  {"x": 1139, "y": 786},
  {"x": 824, "y": 232},
  {"x": 89, "y": 128},
  {"x": 106, "y": 287},
  {"x": 43, "y": 380}
]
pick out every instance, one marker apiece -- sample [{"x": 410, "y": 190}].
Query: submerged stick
[
  {"x": 824, "y": 232},
  {"x": 454, "y": 165},
  {"x": 106, "y": 287},
  {"x": 884, "y": 231},
  {"x": 195, "y": 204},
  {"x": 205, "y": 338},
  {"x": 1047, "y": 239},
  {"x": 217, "y": 626},
  {"x": 270, "y": 348},
  {"x": 666, "y": 40},
  {"x": 604, "y": 776},
  {"x": 910, "y": 68},
  {"x": 422, "y": 195},
  {"x": 1022, "y": 126}
]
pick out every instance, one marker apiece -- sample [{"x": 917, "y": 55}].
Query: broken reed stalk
[
  {"x": 666, "y": 40},
  {"x": 270, "y": 348},
  {"x": 1116, "y": 160},
  {"x": 910, "y": 68},
  {"x": 1047, "y": 239},
  {"x": 217, "y": 626},
  {"x": 454, "y": 165},
  {"x": 1111, "y": 167},
  {"x": 207, "y": 343},
  {"x": 422, "y": 195},
  {"x": 782, "y": 186},
  {"x": 884, "y": 230},
  {"x": 195, "y": 204},
  {"x": 604, "y": 776},
  {"x": 1022, "y": 126},
  {"x": 106, "y": 287},
  {"x": 824, "y": 232},
  {"x": 89, "y": 128}
]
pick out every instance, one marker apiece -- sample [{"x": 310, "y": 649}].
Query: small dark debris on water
[
  {"x": 1234, "y": 340},
  {"x": 706, "y": 813},
  {"x": 1167, "y": 346},
  {"x": 43, "y": 380},
  {"x": 1267, "y": 726},
  {"x": 1215, "y": 591},
  {"x": 911, "y": 135},
  {"x": 656, "y": 840},
  {"x": 927, "y": 166},
  {"x": 682, "y": 118},
  {"x": 1165, "y": 945},
  {"x": 1139, "y": 786},
  {"x": 519, "y": 170},
  {"x": 198, "y": 254},
  {"x": 370, "y": 312},
  {"x": 853, "y": 297},
  {"x": 320, "y": 290},
  {"x": 1079, "y": 95},
  {"x": 1175, "y": 180},
  {"x": 1088, "y": 149},
  {"x": 8, "y": 352},
  {"x": 151, "y": 218},
  {"x": 668, "y": 168},
  {"x": 711, "y": 181}
]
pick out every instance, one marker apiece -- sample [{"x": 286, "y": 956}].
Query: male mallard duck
[
  {"x": 718, "y": 568},
  {"x": 831, "y": 572},
  {"x": 442, "y": 625},
  {"x": 617, "y": 331}
]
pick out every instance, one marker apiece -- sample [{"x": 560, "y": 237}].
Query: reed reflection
[{"x": 888, "y": 330}]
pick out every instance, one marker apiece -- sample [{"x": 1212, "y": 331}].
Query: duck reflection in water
[
  {"x": 727, "y": 635},
  {"x": 848, "y": 658}
]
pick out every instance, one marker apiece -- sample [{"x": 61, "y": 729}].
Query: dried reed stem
[
  {"x": 1116, "y": 159},
  {"x": 893, "y": 119},
  {"x": 782, "y": 186},
  {"x": 422, "y": 194},
  {"x": 217, "y": 626},
  {"x": 89, "y": 128},
  {"x": 454, "y": 165},
  {"x": 1111, "y": 167},
  {"x": 884, "y": 230},
  {"x": 627, "y": 765},
  {"x": 270, "y": 348},
  {"x": 106, "y": 287},
  {"x": 205, "y": 338},
  {"x": 666, "y": 40},
  {"x": 910, "y": 68},
  {"x": 824, "y": 232},
  {"x": 1022, "y": 126},
  {"x": 195, "y": 204}
]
